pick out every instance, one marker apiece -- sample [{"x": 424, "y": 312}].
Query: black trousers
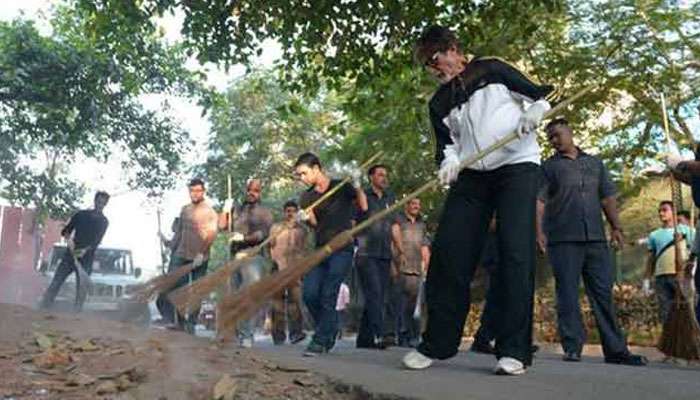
[
  {"x": 63, "y": 271},
  {"x": 510, "y": 191},
  {"x": 374, "y": 280},
  {"x": 590, "y": 260},
  {"x": 165, "y": 307}
]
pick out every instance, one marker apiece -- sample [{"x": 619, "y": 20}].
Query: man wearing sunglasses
[{"x": 479, "y": 102}]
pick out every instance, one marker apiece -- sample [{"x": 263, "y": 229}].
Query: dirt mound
[{"x": 63, "y": 356}]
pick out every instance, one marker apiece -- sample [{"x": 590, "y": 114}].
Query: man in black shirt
[
  {"x": 575, "y": 192},
  {"x": 373, "y": 262},
  {"x": 88, "y": 227},
  {"x": 331, "y": 217}
]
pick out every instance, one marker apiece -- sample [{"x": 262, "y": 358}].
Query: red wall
[{"x": 19, "y": 247}]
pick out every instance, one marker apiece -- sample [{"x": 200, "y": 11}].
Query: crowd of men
[{"x": 497, "y": 214}]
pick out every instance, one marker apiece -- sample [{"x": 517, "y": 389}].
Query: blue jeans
[
  {"x": 665, "y": 288},
  {"x": 320, "y": 292}
]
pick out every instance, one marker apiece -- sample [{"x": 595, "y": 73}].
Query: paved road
[{"x": 468, "y": 376}]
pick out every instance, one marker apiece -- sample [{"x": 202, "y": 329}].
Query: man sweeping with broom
[
  {"x": 321, "y": 284},
  {"x": 479, "y": 102}
]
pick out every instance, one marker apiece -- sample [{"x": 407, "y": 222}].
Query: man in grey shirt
[{"x": 576, "y": 189}]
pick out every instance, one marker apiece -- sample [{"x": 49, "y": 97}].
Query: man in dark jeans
[
  {"x": 479, "y": 102},
  {"x": 334, "y": 215},
  {"x": 373, "y": 262},
  {"x": 89, "y": 227},
  {"x": 197, "y": 231},
  {"x": 576, "y": 189}
]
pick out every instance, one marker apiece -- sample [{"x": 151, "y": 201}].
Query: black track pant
[{"x": 510, "y": 191}]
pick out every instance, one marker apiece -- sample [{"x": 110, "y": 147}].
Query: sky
[{"x": 133, "y": 218}]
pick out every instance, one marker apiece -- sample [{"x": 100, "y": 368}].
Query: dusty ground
[{"x": 64, "y": 356}]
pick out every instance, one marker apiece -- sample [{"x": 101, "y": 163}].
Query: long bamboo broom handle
[
  {"x": 237, "y": 306},
  {"x": 229, "y": 194},
  {"x": 345, "y": 180},
  {"x": 676, "y": 244},
  {"x": 192, "y": 293}
]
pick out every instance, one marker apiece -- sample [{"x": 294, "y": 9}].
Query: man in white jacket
[{"x": 479, "y": 102}]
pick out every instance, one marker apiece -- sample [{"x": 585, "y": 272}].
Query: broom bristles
[
  {"x": 681, "y": 333},
  {"x": 162, "y": 283},
  {"x": 244, "y": 303},
  {"x": 190, "y": 296}
]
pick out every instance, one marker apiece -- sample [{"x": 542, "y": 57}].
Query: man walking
[
  {"x": 251, "y": 226},
  {"x": 576, "y": 189},
  {"x": 331, "y": 217},
  {"x": 197, "y": 231},
  {"x": 289, "y": 244},
  {"x": 83, "y": 234},
  {"x": 412, "y": 254},
  {"x": 479, "y": 102},
  {"x": 374, "y": 259}
]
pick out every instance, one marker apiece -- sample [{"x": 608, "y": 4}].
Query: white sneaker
[
  {"x": 416, "y": 360},
  {"x": 509, "y": 366},
  {"x": 247, "y": 343}
]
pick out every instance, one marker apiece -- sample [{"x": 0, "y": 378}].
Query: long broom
[
  {"x": 243, "y": 304},
  {"x": 681, "y": 333},
  {"x": 191, "y": 295}
]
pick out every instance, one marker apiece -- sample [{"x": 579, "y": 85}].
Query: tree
[
  {"x": 64, "y": 97},
  {"x": 258, "y": 130},
  {"x": 361, "y": 50}
]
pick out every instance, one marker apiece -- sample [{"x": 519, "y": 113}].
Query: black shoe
[
  {"x": 297, "y": 338},
  {"x": 534, "y": 349},
  {"x": 572, "y": 356},
  {"x": 482, "y": 347},
  {"x": 314, "y": 349},
  {"x": 386, "y": 342},
  {"x": 628, "y": 359}
]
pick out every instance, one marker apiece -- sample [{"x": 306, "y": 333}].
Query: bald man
[{"x": 250, "y": 227}]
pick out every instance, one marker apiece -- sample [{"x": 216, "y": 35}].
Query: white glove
[
  {"x": 531, "y": 118},
  {"x": 355, "y": 173},
  {"x": 673, "y": 159},
  {"x": 198, "y": 260},
  {"x": 237, "y": 237},
  {"x": 70, "y": 244},
  {"x": 228, "y": 205},
  {"x": 302, "y": 216},
  {"x": 646, "y": 287},
  {"x": 449, "y": 169}
]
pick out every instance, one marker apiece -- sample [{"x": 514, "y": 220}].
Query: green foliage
[
  {"x": 66, "y": 97},
  {"x": 258, "y": 131},
  {"x": 359, "y": 55}
]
